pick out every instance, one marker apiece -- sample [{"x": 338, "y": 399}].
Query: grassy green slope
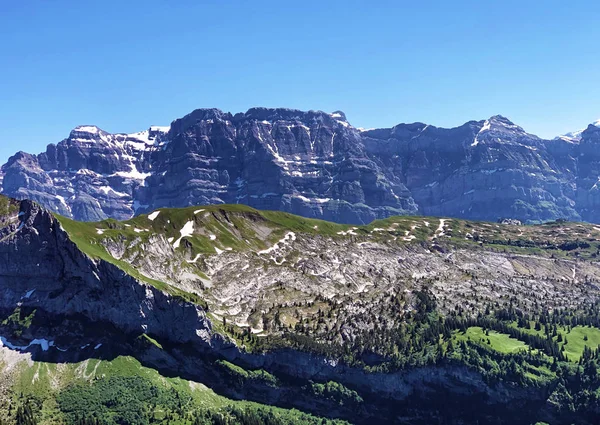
[
  {"x": 497, "y": 341},
  {"x": 235, "y": 227},
  {"x": 124, "y": 391}
]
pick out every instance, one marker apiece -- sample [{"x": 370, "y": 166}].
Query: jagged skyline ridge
[{"x": 314, "y": 164}]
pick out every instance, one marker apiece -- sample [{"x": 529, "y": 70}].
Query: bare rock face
[
  {"x": 91, "y": 175},
  {"x": 308, "y": 163},
  {"x": 314, "y": 164},
  {"x": 588, "y": 174},
  {"x": 481, "y": 170},
  {"x": 42, "y": 269}
]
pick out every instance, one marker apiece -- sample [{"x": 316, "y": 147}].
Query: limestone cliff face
[
  {"x": 309, "y": 163},
  {"x": 482, "y": 170},
  {"x": 588, "y": 174},
  {"x": 314, "y": 164}
]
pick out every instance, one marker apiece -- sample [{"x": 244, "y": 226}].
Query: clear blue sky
[{"x": 124, "y": 65}]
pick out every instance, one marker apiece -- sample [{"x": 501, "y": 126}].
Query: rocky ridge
[{"x": 314, "y": 164}]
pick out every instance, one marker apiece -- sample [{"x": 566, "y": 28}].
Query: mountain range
[{"x": 317, "y": 165}]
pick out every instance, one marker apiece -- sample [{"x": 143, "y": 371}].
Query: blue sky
[{"x": 126, "y": 65}]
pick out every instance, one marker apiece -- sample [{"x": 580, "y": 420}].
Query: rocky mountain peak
[
  {"x": 502, "y": 124},
  {"x": 591, "y": 135},
  {"x": 88, "y": 132},
  {"x": 576, "y": 136},
  {"x": 592, "y": 128},
  {"x": 156, "y": 130},
  {"x": 308, "y": 118},
  {"x": 500, "y": 119},
  {"x": 89, "y": 129},
  {"x": 155, "y": 135},
  {"x": 499, "y": 129},
  {"x": 19, "y": 156},
  {"x": 339, "y": 115},
  {"x": 274, "y": 114},
  {"x": 83, "y": 135},
  {"x": 206, "y": 115}
]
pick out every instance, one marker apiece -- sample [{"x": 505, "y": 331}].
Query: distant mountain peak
[
  {"x": 92, "y": 129},
  {"x": 340, "y": 118},
  {"x": 89, "y": 133},
  {"x": 339, "y": 115},
  {"x": 93, "y": 133},
  {"x": 498, "y": 124},
  {"x": 575, "y": 136},
  {"x": 500, "y": 119}
]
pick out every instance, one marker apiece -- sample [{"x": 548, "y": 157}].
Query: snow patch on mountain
[
  {"x": 486, "y": 127},
  {"x": 575, "y": 136},
  {"x": 187, "y": 230},
  {"x": 92, "y": 129}
]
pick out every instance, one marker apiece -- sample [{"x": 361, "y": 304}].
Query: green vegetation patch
[
  {"x": 122, "y": 391},
  {"x": 19, "y": 321},
  {"x": 578, "y": 338},
  {"x": 301, "y": 224},
  {"x": 150, "y": 340},
  {"x": 337, "y": 392},
  {"x": 240, "y": 374},
  {"x": 8, "y": 207},
  {"x": 500, "y": 342}
]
